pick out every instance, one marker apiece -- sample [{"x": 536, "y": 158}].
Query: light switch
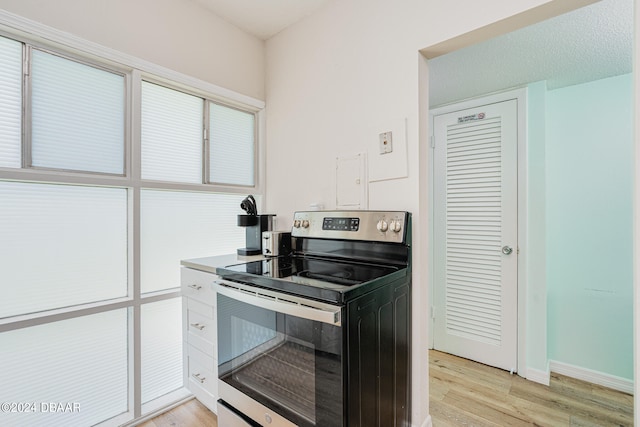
[{"x": 386, "y": 143}]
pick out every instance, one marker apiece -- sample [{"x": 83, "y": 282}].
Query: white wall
[
  {"x": 589, "y": 185},
  {"x": 336, "y": 77},
  {"x": 636, "y": 212},
  {"x": 176, "y": 34}
]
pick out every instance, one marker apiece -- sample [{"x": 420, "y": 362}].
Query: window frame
[
  {"x": 185, "y": 92},
  {"x": 206, "y": 170},
  {"x": 135, "y": 70},
  {"x": 27, "y": 104},
  {"x": 208, "y": 99}
]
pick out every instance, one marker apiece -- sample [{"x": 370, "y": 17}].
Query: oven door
[{"x": 280, "y": 357}]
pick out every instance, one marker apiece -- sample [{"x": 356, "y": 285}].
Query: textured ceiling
[
  {"x": 262, "y": 18},
  {"x": 588, "y": 44}
]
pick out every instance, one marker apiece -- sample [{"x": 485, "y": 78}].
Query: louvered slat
[{"x": 473, "y": 230}]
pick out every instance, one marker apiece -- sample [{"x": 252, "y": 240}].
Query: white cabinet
[{"x": 200, "y": 335}]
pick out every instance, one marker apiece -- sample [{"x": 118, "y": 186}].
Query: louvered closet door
[{"x": 475, "y": 225}]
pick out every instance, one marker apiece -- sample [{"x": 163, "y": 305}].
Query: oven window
[{"x": 289, "y": 364}]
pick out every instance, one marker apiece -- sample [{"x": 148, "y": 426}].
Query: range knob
[
  {"x": 395, "y": 226},
  {"x": 382, "y": 225},
  {"x": 305, "y": 223},
  {"x": 296, "y": 223}
]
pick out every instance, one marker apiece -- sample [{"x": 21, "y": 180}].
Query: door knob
[{"x": 507, "y": 250}]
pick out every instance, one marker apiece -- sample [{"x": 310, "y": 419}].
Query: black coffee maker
[{"x": 254, "y": 224}]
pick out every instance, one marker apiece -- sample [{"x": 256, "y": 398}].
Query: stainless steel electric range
[{"x": 321, "y": 336}]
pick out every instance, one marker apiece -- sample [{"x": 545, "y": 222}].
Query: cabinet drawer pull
[
  {"x": 199, "y": 378},
  {"x": 198, "y": 326},
  {"x": 196, "y": 287}
]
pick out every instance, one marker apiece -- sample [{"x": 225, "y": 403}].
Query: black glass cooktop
[{"x": 307, "y": 276}]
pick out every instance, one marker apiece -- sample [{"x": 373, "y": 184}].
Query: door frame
[{"x": 520, "y": 95}]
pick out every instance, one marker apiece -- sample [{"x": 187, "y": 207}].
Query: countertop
[{"x": 212, "y": 263}]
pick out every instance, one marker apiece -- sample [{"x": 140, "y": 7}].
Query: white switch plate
[
  {"x": 386, "y": 143},
  {"x": 394, "y": 165}
]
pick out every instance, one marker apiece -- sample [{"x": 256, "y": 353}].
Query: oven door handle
[{"x": 281, "y": 303}]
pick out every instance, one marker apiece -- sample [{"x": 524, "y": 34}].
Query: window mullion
[
  {"x": 26, "y": 106},
  {"x": 206, "y": 145},
  {"x": 135, "y": 132},
  {"x": 134, "y": 154}
]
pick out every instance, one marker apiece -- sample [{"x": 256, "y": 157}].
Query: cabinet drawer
[
  {"x": 202, "y": 372},
  {"x": 201, "y": 332},
  {"x": 206, "y": 310},
  {"x": 198, "y": 285}
]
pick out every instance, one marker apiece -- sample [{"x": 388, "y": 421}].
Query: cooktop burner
[{"x": 302, "y": 274}]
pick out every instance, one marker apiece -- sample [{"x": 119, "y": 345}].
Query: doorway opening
[{"x": 534, "y": 362}]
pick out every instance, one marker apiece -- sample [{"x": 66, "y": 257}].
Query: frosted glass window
[
  {"x": 10, "y": 103},
  {"x": 179, "y": 225},
  {"x": 77, "y": 116},
  {"x": 161, "y": 348},
  {"x": 81, "y": 362},
  {"x": 232, "y": 142},
  {"x": 172, "y": 135},
  {"x": 60, "y": 246}
]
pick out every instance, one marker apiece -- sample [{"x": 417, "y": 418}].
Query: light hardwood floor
[
  {"x": 466, "y": 393},
  {"x": 190, "y": 414}
]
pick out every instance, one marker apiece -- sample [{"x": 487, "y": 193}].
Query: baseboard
[
  {"x": 595, "y": 377},
  {"x": 538, "y": 376}
]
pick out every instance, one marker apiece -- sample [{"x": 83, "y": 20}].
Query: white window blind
[
  {"x": 10, "y": 103},
  {"x": 61, "y": 245},
  {"x": 161, "y": 345},
  {"x": 81, "y": 361},
  {"x": 232, "y": 146},
  {"x": 180, "y": 225},
  {"x": 172, "y": 135},
  {"x": 68, "y": 244},
  {"x": 77, "y": 116}
]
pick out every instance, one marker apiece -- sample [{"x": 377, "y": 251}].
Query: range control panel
[
  {"x": 342, "y": 224},
  {"x": 377, "y": 226}
]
